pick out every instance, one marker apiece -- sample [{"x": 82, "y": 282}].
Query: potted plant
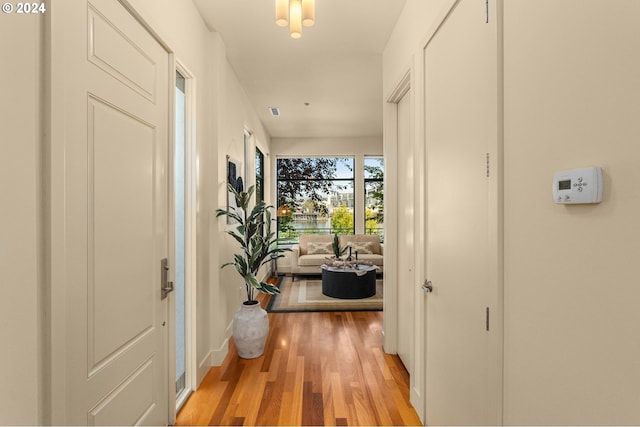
[
  {"x": 337, "y": 250},
  {"x": 258, "y": 246}
]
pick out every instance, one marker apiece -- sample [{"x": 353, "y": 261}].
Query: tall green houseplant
[{"x": 258, "y": 243}]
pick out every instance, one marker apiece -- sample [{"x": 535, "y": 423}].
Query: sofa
[{"x": 313, "y": 250}]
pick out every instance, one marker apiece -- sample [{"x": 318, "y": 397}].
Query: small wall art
[{"x": 234, "y": 178}]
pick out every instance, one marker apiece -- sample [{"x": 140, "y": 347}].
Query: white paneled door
[
  {"x": 114, "y": 348},
  {"x": 462, "y": 311}
]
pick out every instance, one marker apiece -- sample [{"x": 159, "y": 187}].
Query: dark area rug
[{"x": 305, "y": 294}]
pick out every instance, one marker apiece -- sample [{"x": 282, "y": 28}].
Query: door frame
[
  {"x": 55, "y": 396},
  {"x": 190, "y": 245},
  {"x": 390, "y": 154},
  {"x": 407, "y": 85}
]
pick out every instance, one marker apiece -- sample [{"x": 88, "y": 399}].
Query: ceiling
[{"x": 336, "y": 66}]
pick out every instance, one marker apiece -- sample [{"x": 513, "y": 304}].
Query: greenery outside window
[
  {"x": 315, "y": 196},
  {"x": 374, "y": 196}
]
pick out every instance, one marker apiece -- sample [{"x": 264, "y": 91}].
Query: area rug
[{"x": 305, "y": 294}]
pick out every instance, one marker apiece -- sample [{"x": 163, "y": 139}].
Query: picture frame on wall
[{"x": 234, "y": 178}]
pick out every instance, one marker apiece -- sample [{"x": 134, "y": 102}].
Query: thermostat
[{"x": 578, "y": 186}]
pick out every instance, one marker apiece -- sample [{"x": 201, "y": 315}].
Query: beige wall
[
  {"x": 20, "y": 220},
  {"x": 407, "y": 39},
  {"x": 235, "y": 115},
  {"x": 572, "y": 324},
  {"x": 363, "y": 146},
  {"x": 571, "y": 91}
]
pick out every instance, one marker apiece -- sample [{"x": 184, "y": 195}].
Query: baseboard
[
  {"x": 218, "y": 355},
  {"x": 203, "y": 369},
  {"x": 215, "y": 357},
  {"x": 417, "y": 402}
]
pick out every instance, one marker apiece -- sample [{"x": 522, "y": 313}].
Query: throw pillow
[
  {"x": 319, "y": 248},
  {"x": 361, "y": 247}
]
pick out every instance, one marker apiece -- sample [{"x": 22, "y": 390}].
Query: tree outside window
[
  {"x": 315, "y": 196},
  {"x": 374, "y": 195}
]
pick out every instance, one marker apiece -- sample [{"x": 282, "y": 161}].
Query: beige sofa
[{"x": 313, "y": 249}]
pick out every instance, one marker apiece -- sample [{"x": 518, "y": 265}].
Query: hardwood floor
[{"x": 318, "y": 369}]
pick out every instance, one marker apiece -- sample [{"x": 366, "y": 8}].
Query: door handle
[
  {"x": 427, "y": 287},
  {"x": 166, "y": 287},
  {"x": 166, "y": 290}
]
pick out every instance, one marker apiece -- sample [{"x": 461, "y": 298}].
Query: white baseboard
[
  {"x": 215, "y": 357},
  {"x": 417, "y": 402},
  {"x": 203, "y": 369},
  {"x": 218, "y": 355}
]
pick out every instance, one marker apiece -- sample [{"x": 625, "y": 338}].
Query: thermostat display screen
[{"x": 564, "y": 185}]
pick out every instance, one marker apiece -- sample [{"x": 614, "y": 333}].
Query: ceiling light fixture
[{"x": 295, "y": 13}]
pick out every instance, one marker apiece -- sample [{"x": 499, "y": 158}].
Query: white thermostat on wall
[{"x": 578, "y": 186}]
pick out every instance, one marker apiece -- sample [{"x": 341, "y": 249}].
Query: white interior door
[
  {"x": 406, "y": 250},
  {"x": 116, "y": 217},
  {"x": 460, "y": 131}
]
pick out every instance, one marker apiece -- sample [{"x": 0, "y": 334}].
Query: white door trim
[
  {"x": 390, "y": 153},
  {"x": 190, "y": 244}
]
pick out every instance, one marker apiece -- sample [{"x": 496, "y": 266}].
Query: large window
[
  {"x": 374, "y": 196},
  {"x": 315, "y": 196}
]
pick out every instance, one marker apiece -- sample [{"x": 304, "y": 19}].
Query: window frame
[
  {"x": 351, "y": 181},
  {"x": 369, "y": 180}
]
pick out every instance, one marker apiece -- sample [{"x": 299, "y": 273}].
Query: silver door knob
[{"x": 427, "y": 286}]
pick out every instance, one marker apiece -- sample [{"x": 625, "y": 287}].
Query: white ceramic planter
[{"x": 250, "y": 330}]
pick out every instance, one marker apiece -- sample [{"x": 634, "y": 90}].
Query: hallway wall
[
  {"x": 21, "y": 220},
  {"x": 572, "y": 99},
  {"x": 571, "y": 96},
  {"x": 235, "y": 114}
]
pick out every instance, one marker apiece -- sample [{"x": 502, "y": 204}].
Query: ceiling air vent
[{"x": 275, "y": 112}]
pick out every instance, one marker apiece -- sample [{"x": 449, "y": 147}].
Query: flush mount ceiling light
[{"x": 295, "y": 13}]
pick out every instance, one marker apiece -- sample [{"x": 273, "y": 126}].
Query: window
[
  {"x": 374, "y": 196},
  {"x": 180, "y": 233},
  {"x": 315, "y": 196},
  {"x": 259, "y": 175},
  {"x": 260, "y": 180}
]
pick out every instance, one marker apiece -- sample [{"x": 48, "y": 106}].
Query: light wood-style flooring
[{"x": 318, "y": 369}]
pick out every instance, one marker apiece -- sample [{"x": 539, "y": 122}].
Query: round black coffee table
[{"x": 345, "y": 283}]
